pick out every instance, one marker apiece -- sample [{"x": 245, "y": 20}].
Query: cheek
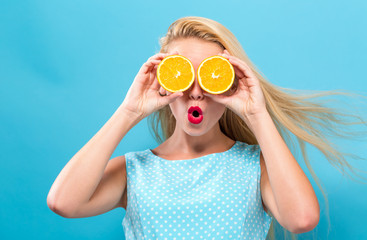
[
  {"x": 217, "y": 111},
  {"x": 176, "y": 109}
]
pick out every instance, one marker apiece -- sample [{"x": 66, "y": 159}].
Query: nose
[{"x": 195, "y": 91}]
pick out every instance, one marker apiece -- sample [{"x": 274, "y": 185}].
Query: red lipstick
[{"x": 195, "y": 114}]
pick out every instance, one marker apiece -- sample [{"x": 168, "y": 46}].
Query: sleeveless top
[{"x": 216, "y": 196}]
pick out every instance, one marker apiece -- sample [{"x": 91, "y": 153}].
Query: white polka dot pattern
[{"x": 216, "y": 196}]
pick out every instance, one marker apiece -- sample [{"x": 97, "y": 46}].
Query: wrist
[
  {"x": 130, "y": 114},
  {"x": 253, "y": 121}
]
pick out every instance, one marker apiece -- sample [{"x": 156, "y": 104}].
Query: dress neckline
[{"x": 193, "y": 159}]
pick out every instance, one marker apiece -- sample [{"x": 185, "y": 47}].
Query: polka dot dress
[{"x": 216, "y": 196}]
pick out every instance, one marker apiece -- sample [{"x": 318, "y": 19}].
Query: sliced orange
[
  {"x": 215, "y": 74},
  {"x": 175, "y": 73}
]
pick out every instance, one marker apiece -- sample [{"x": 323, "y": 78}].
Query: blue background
[{"x": 65, "y": 67}]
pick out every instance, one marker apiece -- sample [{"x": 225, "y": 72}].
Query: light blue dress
[{"x": 216, "y": 196}]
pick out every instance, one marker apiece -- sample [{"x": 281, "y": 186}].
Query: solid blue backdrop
[{"x": 65, "y": 67}]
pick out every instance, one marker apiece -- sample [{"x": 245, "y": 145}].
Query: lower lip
[{"x": 195, "y": 120}]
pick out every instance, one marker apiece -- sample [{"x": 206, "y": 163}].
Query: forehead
[{"x": 195, "y": 49}]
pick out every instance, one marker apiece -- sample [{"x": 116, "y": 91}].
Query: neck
[{"x": 208, "y": 142}]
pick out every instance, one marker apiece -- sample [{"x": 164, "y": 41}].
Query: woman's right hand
[{"x": 143, "y": 97}]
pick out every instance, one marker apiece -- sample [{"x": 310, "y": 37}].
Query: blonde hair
[{"x": 291, "y": 110}]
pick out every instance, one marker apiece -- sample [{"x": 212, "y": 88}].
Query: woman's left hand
[{"x": 248, "y": 99}]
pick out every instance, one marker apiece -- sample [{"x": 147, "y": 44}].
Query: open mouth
[{"x": 195, "y": 115}]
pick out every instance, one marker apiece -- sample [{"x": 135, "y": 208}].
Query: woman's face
[{"x": 196, "y": 50}]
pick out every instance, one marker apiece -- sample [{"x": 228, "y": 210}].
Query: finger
[
  {"x": 233, "y": 58},
  {"x": 168, "y": 93},
  {"x": 175, "y": 52},
  {"x": 238, "y": 62},
  {"x": 248, "y": 79},
  {"x": 163, "y": 55},
  {"x": 158, "y": 56},
  {"x": 145, "y": 68},
  {"x": 242, "y": 66},
  {"x": 172, "y": 97},
  {"x": 155, "y": 83},
  {"x": 153, "y": 74},
  {"x": 162, "y": 91},
  {"x": 149, "y": 65},
  {"x": 238, "y": 72},
  {"x": 224, "y": 52},
  {"x": 217, "y": 98}
]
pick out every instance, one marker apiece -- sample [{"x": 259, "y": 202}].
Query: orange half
[
  {"x": 215, "y": 74},
  {"x": 175, "y": 73}
]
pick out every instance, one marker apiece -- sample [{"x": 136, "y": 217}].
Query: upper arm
[
  {"x": 267, "y": 193},
  {"x": 270, "y": 203},
  {"x": 109, "y": 192}
]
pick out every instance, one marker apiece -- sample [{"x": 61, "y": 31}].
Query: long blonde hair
[{"x": 291, "y": 110}]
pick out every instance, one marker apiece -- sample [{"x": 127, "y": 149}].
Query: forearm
[
  {"x": 80, "y": 177},
  {"x": 293, "y": 193}
]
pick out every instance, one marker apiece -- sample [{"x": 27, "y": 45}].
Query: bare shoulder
[
  {"x": 114, "y": 179},
  {"x": 118, "y": 162},
  {"x": 267, "y": 195},
  {"x": 119, "y": 166},
  {"x": 113, "y": 183},
  {"x": 262, "y": 163}
]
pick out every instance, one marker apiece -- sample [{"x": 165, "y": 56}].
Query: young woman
[{"x": 226, "y": 176}]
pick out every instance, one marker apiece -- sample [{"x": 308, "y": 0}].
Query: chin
[
  {"x": 196, "y": 130},
  {"x": 194, "y": 134}
]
